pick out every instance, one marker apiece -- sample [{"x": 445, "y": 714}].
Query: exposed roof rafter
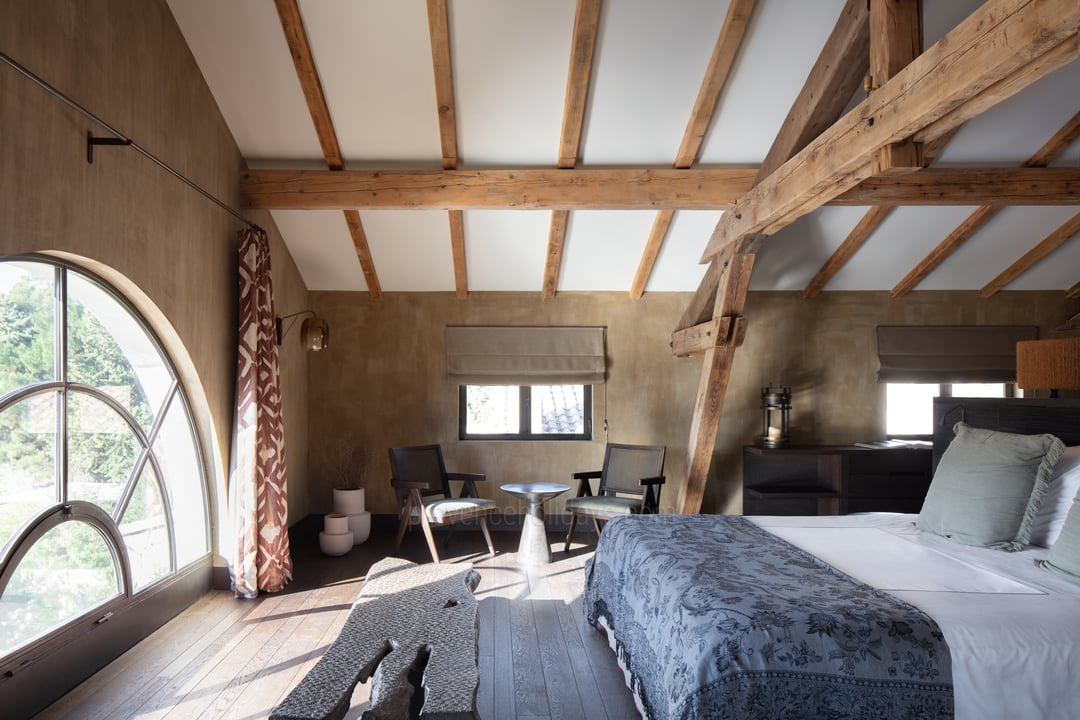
[
  {"x": 292, "y": 24},
  {"x": 732, "y": 34},
  {"x": 583, "y": 48},
  {"x": 441, "y": 62},
  {"x": 963, "y": 232},
  {"x": 1049, "y": 244}
]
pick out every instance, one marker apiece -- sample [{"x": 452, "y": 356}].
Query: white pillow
[{"x": 1063, "y": 487}]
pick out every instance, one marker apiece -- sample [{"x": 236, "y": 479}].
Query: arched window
[{"x": 102, "y": 491}]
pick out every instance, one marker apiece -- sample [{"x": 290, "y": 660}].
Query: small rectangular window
[
  {"x": 909, "y": 407},
  {"x": 525, "y": 412}
]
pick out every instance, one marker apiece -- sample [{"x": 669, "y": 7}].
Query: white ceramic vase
[
  {"x": 350, "y": 503},
  {"x": 336, "y": 537}
]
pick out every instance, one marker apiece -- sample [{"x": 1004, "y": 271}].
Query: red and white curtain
[{"x": 258, "y": 497}]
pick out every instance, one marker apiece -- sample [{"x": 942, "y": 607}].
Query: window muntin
[
  {"x": 90, "y": 410},
  {"x": 909, "y": 407},
  {"x": 524, "y": 412},
  {"x": 27, "y": 460}
]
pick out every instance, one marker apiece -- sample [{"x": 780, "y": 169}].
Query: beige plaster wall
[
  {"x": 383, "y": 382},
  {"x": 168, "y": 249}
]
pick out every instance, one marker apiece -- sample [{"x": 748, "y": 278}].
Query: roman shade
[
  {"x": 525, "y": 355},
  {"x": 950, "y": 353}
]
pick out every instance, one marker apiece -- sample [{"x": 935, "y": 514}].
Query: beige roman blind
[
  {"x": 525, "y": 355},
  {"x": 950, "y": 353}
]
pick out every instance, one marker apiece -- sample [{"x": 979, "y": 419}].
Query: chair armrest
[
  {"x": 584, "y": 486},
  {"x": 658, "y": 480},
  {"x": 470, "y": 479}
]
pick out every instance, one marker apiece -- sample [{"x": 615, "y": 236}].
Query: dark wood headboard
[{"x": 1016, "y": 415}]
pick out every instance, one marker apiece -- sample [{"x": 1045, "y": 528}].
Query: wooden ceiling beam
[
  {"x": 441, "y": 62},
  {"x": 582, "y": 51},
  {"x": 730, "y": 39},
  {"x": 866, "y": 226},
  {"x": 836, "y": 75},
  {"x": 1053, "y": 147},
  {"x": 292, "y": 24},
  {"x": 969, "y": 186},
  {"x": 895, "y": 40},
  {"x": 439, "y": 30},
  {"x": 661, "y": 225},
  {"x": 717, "y": 73},
  {"x": 630, "y": 188},
  {"x": 1051, "y": 243},
  {"x": 1001, "y": 39},
  {"x": 1073, "y": 292},
  {"x": 531, "y": 189},
  {"x": 834, "y": 78}
]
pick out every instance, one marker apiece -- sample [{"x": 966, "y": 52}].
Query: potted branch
[{"x": 348, "y": 461}]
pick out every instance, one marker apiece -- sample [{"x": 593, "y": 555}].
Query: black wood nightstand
[{"x": 834, "y": 479}]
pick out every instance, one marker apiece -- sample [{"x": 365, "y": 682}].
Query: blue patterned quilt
[{"x": 715, "y": 618}]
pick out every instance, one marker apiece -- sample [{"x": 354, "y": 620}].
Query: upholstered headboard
[{"x": 1016, "y": 415}]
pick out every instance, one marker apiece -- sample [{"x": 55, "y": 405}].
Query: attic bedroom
[{"x": 789, "y": 280}]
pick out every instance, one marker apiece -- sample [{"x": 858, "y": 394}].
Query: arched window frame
[{"x": 65, "y": 510}]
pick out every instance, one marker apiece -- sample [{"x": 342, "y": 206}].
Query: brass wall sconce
[{"x": 314, "y": 332}]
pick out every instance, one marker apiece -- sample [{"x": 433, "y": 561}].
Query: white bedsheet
[{"x": 1013, "y": 629}]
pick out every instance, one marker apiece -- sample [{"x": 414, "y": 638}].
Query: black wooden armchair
[
  {"x": 425, "y": 499},
  {"x": 630, "y": 482}
]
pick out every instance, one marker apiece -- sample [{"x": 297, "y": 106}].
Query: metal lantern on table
[{"x": 775, "y": 409}]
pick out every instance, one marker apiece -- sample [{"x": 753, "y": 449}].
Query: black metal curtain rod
[{"x": 121, "y": 139}]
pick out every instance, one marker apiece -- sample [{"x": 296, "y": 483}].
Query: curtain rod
[{"x": 122, "y": 139}]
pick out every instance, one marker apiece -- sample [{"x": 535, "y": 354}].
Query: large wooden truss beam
[
  {"x": 719, "y": 352},
  {"x": 1004, "y": 44}
]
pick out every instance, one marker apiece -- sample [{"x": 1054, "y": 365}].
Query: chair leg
[
  {"x": 570, "y": 532},
  {"x": 487, "y": 536},
  {"x": 596, "y": 526},
  {"x": 430, "y": 538},
  {"x": 406, "y": 517}
]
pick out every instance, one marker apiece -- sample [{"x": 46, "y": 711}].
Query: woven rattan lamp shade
[{"x": 1048, "y": 364}]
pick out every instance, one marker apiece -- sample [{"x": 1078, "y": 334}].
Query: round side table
[{"x": 534, "y": 548}]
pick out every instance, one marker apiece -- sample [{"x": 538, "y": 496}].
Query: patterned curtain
[{"x": 257, "y": 493}]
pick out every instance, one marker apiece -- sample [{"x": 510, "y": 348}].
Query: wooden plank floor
[{"x": 236, "y": 659}]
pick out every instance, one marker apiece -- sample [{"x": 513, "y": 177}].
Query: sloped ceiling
[{"x": 510, "y": 60}]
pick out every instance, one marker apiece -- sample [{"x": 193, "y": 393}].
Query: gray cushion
[
  {"x": 451, "y": 509},
  {"x": 604, "y": 505},
  {"x": 1064, "y": 558},
  {"x": 988, "y": 486}
]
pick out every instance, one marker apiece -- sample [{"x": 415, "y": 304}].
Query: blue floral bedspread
[{"x": 714, "y": 617}]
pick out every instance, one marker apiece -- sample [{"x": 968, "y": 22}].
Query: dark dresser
[{"x": 834, "y": 479}]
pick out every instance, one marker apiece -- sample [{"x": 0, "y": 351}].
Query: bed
[{"x": 858, "y": 616}]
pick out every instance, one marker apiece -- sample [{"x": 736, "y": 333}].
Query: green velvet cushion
[
  {"x": 988, "y": 486},
  {"x": 1064, "y": 558}
]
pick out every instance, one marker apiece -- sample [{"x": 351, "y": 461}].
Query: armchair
[
  {"x": 425, "y": 499},
  {"x": 627, "y": 482}
]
